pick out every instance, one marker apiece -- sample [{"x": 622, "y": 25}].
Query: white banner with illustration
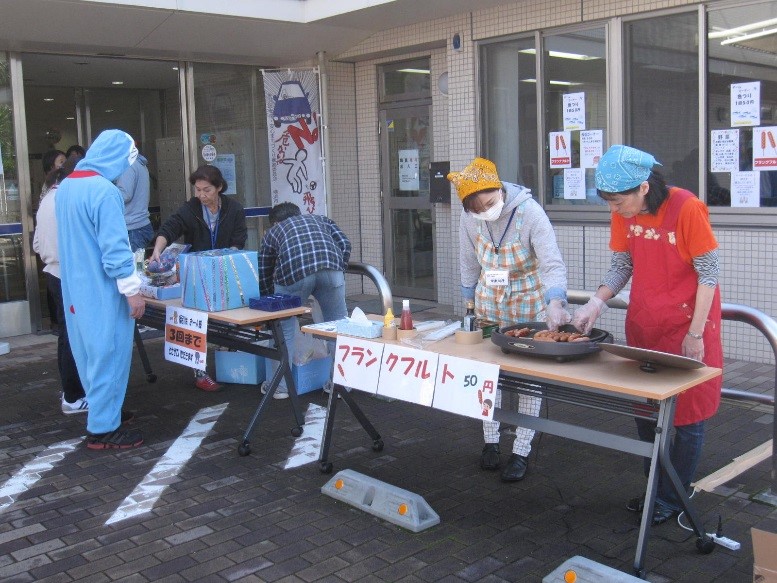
[{"x": 294, "y": 138}]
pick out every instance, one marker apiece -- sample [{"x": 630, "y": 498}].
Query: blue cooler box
[
  {"x": 308, "y": 377},
  {"x": 219, "y": 279},
  {"x": 239, "y": 368}
]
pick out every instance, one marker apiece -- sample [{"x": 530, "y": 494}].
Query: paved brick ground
[{"x": 231, "y": 518}]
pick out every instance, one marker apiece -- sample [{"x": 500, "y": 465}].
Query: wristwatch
[{"x": 697, "y": 336}]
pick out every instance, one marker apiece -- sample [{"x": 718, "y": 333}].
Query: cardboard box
[
  {"x": 240, "y": 368},
  {"x": 764, "y": 556},
  {"x": 219, "y": 279},
  {"x": 167, "y": 292},
  {"x": 308, "y": 377}
]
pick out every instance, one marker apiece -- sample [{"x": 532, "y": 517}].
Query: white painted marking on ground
[
  {"x": 145, "y": 495},
  {"x": 26, "y": 477},
  {"x": 308, "y": 445}
]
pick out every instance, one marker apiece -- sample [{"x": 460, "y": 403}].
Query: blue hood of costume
[{"x": 110, "y": 154}]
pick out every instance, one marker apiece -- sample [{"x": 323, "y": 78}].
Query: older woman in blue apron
[{"x": 512, "y": 268}]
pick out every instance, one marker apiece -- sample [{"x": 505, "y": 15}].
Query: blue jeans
[
  {"x": 140, "y": 238},
  {"x": 328, "y": 287},
  {"x": 684, "y": 452}
]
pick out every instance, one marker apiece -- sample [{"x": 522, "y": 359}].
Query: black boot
[
  {"x": 515, "y": 469},
  {"x": 489, "y": 459}
]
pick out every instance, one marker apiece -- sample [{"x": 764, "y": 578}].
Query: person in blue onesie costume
[{"x": 99, "y": 285}]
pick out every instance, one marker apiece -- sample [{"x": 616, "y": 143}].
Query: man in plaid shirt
[{"x": 303, "y": 255}]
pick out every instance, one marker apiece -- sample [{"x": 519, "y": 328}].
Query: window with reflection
[
  {"x": 230, "y": 115},
  {"x": 575, "y": 95},
  {"x": 509, "y": 117},
  {"x": 662, "y": 91},
  {"x": 742, "y": 106},
  {"x": 405, "y": 81},
  {"x": 12, "y": 279}
]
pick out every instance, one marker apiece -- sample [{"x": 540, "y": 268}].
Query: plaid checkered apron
[{"x": 519, "y": 301}]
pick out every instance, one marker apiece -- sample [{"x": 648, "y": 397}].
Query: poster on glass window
[
  {"x": 745, "y": 104},
  {"x": 765, "y": 148},
  {"x": 294, "y": 139}
]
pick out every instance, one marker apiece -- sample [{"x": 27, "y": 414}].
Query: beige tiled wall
[{"x": 747, "y": 255}]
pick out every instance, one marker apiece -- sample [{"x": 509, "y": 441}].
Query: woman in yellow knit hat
[{"x": 512, "y": 267}]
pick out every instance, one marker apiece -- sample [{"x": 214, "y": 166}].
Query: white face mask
[{"x": 491, "y": 214}]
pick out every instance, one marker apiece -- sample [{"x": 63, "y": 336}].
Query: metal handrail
[
  {"x": 380, "y": 281},
  {"x": 735, "y": 313}
]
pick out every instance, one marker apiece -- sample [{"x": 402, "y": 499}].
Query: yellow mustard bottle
[{"x": 388, "y": 319}]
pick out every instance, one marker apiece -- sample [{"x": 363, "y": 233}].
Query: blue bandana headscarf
[{"x": 623, "y": 168}]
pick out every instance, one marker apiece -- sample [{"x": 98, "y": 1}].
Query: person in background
[
  {"x": 135, "y": 187},
  {"x": 100, "y": 286},
  {"x": 512, "y": 268},
  {"x": 661, "y": 239},
  {"x": 52, "y": 160},
  {"x": 209, "y": 220},
  {"x": 303, "y": 255},
  {"x": 45, "y": 244},
  {"x": 75, "y": 153}
]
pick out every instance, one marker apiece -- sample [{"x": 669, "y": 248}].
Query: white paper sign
[
  {"x": 408, "y": 374},
  {"x": 574, "y": 111},
  {"x": 560, "y": 149},
  {"x": 466, "y": 387},
  {"x": 744, "y": 189},
  {"x": 746, "y": 104},
  {"x": 357, "y": 363},
  {"x": 186, "y": 337},
  {"x": 725, "y": 150},
  {"x": 408, "y": 170},
  {"x": 591, "y": 148},
  {"x": 765, "y": 148},
  {"x": 574, "y": 184}
]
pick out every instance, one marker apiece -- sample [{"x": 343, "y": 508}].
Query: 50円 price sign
[
  {"x": 466, "y": 387},
  {"x": 186, "y": 337}
]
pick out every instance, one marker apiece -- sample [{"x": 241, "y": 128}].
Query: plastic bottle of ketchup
[{"x": 406, "y": 319}]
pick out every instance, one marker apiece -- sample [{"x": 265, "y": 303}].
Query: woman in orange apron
[
  {"x": 662, "y": 239},
  {"x": 512, "y": 268}
]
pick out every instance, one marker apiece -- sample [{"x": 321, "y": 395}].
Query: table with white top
[
  {"x": 601, "y": 381},
  {"x": 241, "y": 329}
]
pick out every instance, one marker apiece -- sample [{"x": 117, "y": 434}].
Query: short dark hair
[
  {"x": 282, "y": 211},
  {"x": 75, "y": 148},
  {"x": 210, "y": 174},
  {"x": 49, "y": 158},
  {"x": 657, "y": 193}
]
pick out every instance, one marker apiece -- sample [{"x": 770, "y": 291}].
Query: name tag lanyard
[
  {"x": 498, "y": 245},
  {"x": 214, "y": 231}
]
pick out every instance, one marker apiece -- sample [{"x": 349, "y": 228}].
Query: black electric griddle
[{"x": 560, "y": 351}]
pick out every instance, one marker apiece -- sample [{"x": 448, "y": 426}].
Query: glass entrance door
[
  {"x": 408, "y": 214},
  {"x": 71, "y": 99}
]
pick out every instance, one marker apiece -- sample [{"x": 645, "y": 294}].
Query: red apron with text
[{"x": 661, "y": 304}]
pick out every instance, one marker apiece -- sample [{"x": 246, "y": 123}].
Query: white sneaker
[
  {"x": 80, "y": 406},
  {"x": 280, "y": 392}
]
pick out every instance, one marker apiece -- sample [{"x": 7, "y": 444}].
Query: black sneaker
[{"x": 118, "y": 439}]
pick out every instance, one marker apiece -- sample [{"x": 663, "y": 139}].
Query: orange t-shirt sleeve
[
  {"x": 618, "y": 232},
  {"x": 694, "y": 231}
]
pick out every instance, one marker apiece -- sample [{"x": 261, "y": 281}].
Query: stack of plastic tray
[{"x": 275, "y": 302}]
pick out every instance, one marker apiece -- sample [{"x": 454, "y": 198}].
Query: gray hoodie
[
  {"x": 135, "y": 188},
  {"x": 536, "y": 233}
]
